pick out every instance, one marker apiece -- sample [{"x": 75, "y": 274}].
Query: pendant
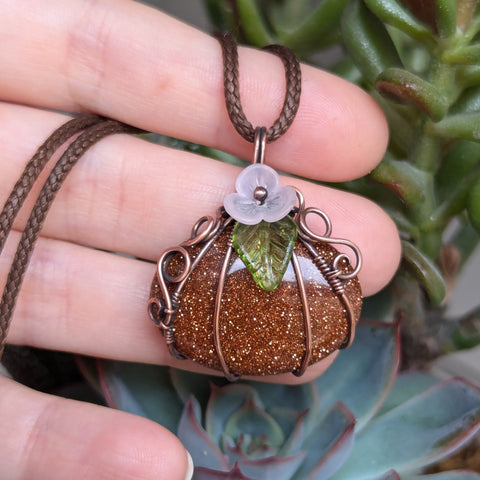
[{"x": 254, "y": 291}]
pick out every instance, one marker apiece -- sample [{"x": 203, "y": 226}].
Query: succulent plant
[
  {"x": 419, "y": 60},
  {"x": 360, "y": 420}
]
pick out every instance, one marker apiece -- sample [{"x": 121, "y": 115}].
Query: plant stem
[
  {"x": 426, "y": 151},
  {"x": 426, "y": 156}
]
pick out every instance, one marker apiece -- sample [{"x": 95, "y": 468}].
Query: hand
[{"x": 126, "y": 61}]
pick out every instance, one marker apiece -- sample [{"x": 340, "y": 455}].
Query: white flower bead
[{"x": 245, "y": 206}]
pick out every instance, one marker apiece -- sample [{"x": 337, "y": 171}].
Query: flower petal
[
  {"x": 242, "y": 209},
  {"x": 278, "y": 205},
  {"x": 257, "y": 175}
]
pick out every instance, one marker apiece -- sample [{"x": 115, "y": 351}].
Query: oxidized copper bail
[{"x": 260, "y": 142}]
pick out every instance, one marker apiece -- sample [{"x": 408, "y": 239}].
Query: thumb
[{"x": 51, "y": 438}]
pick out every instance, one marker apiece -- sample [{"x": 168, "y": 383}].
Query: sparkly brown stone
[{"x": 261, "y": 333}]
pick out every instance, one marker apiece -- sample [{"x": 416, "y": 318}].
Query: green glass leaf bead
[{"x": 266, "y": 249}]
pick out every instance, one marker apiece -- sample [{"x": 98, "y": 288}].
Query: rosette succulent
[
  {"x": 419, "y": 59},
  {"x": 360, "y": 420}
]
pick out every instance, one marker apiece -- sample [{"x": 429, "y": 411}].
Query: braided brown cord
[
  {"x": 35, "y": 166},
  {"x": 27, "y": 242},
  {"x": 293, "y": 78}
]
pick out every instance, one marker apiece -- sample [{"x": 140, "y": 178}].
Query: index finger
[{"x": 130, "y": 62}]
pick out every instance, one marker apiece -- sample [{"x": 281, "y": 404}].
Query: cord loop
[{"x": 293, "y": 77}]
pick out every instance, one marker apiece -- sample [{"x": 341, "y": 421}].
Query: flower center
[{"x": 260, "y": 194}]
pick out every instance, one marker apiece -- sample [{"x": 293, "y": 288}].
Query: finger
[
  {"x": 72, "y": 294},
  {"x": 132, "y": 63},
  {"x": 48, "y": 438},
  {"x": 134, "y": 197}
]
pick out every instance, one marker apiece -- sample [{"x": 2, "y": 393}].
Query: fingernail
[{"x": 190, "y": 468}]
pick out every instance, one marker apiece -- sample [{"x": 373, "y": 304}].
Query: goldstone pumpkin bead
[{"x": 261, "y": 332}]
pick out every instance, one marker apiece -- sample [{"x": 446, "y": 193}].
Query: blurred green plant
[
  {"x": 359, "y": 421},
  {"x": 420, "y": 61}
]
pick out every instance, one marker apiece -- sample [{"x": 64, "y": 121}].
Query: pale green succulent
[{"x": 358, "y": 421}]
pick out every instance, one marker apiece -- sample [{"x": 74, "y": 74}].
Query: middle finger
[{"x": 134, "y": 197}]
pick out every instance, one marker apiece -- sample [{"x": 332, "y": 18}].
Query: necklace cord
[
  {"x": 293, "y": 77},
  {"x": 94, "y": 129}
]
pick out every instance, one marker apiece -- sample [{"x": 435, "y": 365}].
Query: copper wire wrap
[
  {"x": 94, "y": 129},
  {"x": 216, "y": 316},
  {"x": 306, "y": 317},
  {"x": 207, "y": 231},
  {"x": 293, "y": 77}
]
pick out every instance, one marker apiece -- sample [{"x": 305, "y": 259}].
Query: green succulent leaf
[
  {"x": 266, "y": 249},
  {"x": 367, "y": 370},
  {"x": 446, "y": 17},
  {"x": 255, "y": 422},
  {"x": 455, "y": 181},
  {"x": 456, "y": 202},
  {"x": 468, "y": 102},
  {"x": 425, "y": 271},
  {"x": 246, "y": 446},
  {"x": 144, "y": 390},
  {"x": 398, "y": 123},
  {"x": 297, "y": 398},
  {"x": 204, "y": 452},
  {"x": 288, "y": 420},
  {"x": 463, "y": 125},
  {"x": 473, "y": 206},
  {"x": 416, "y": 433},
  {"x": 403, "y": 178},
  {"x": 394, "y": 13},
  {"x": 252, "y": 22},
  {"x": 368, "y": 41},
  {"x": 407, "y": 88},
  {"x": 298, "y": 433},
  {"x": 223, "y": 403},
  {"x": 329, "y": 445},
  {"x": 456, "y": 166},
  {"x": 465, "y": 55},
  {"x": 187, "y": 384},
  {"x": 272, "y": 468},
  {"x": 468, "y": 75},
  {"x": 439, "y": 15},
  {"x": 407, "y": 385},
  {"x": 310, "y": 33},
  {"x": 221, "y": 15}
]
